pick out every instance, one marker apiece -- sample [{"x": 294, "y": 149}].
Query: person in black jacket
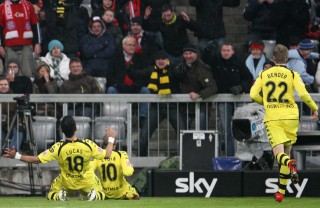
[
  {"x": 162, "y": 83},
  {"x": 209, "y": 15},
  {"x": 232, "y": 77},
  {"x": 173, "y": 29},
  {"x": 257, "y": 12},
  {"x": 291, "y": 19},
  {"x": 128, "y": 74}
]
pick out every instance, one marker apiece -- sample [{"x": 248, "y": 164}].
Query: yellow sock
[
  {"x": 283, "y": 159},
  {"x": 52, "y": 196},
  {"x": 283, "y": 179}
]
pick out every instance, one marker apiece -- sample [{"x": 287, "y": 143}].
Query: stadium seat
[
  {"x": 44, "y": 129},
  {"x": 114, "y": 115},
  {"x": 268, "y": 48},
  {"x": 83, "y": 127}
]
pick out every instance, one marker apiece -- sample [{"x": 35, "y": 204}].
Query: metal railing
[{"x": 165, "y": 142}]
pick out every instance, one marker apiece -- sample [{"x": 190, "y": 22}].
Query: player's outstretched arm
[
  {"x": 13, "y": 154},
  {"x": 110, "y": 136}
]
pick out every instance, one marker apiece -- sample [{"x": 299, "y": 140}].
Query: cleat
[
  {"x": 62, "y": 195},
  {"x": 91, "y": 195},
  {"x": 293, "y": 171},
  {"x": 279, "y": 197}
]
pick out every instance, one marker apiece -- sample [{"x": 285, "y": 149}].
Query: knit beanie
[
  {"x": 306, "y": 44},
  {"x": 137, "y": 20},
  {"x": 189, "y": 47},
  {"x": 257, "y": 44},
  {"x": 54, "y": 43}
]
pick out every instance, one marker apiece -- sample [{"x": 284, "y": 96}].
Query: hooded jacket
[
  {"x": 298, "y": 64},
  {"x": 97, "y": 51}
]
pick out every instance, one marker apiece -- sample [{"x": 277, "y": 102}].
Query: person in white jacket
[{"x": 58, "y": 61}]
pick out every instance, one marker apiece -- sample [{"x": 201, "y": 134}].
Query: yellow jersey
[
  {"x": 275, "y": 89},
  {"x": 112, "y": 174},
  {"x": 74, "y": 161}
]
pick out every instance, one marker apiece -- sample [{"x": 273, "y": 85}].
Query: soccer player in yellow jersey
[
  {"x": 275, "y": 88},
  {"x": 74, "y": 156},
  {"x": 112, "y": 172}
]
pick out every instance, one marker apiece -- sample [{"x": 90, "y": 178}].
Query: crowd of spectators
[{"x": 62, "y": 47}]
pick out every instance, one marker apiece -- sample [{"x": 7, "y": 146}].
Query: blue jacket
[{"x": 298, "y": 64}]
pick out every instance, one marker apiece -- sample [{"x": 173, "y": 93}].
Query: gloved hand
[{"x": 236, "y": 90}]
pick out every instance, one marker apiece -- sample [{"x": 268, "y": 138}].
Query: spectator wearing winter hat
[
  {"x": 300, "y": 60},
  {"x": 256, "y": 59},
  {"x": 196, "y": 80},
  {"x": 57, "y": 61},
  {"x": 145, "y": 44},
  {"x": 161, "y": 82},
  {"x": 97, "y": 48}
]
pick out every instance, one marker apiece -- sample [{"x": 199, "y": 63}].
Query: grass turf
[{"x": 162, "y": 202}]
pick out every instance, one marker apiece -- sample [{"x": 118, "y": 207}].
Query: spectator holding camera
[
  {"x": 97, "y": 48},
  {"x": 232, "y": 77}
]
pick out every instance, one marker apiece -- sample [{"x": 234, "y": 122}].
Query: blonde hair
[{"x": 280, "y": 54}]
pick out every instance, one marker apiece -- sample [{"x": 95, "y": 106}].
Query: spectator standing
[
  {"x": 290, "y": 18},
  {"x": 100, "y": 6},
  {"x": 145, "y": 44},
  {"x": 257, "y": 12},
  {"x": 58, "y": 61},
  {"x": 232, "y": 77},
  {"x": 79, "y": 83},
  {"x": 128, "y": 73},
  {"x": 209, "y": 15},
  {"x": 20, "y": 36},
  {"x": 97, "y": 48},
  {"x": 256, "y": 59},
  {"x": 155, "y": 17},
  {"x": 195, "y": 79},
  {"x": 173, "y": 29},
  {"x": 112, "y": 26},
  {"x": 161, "y": 83},
  {"x": 62, "y": 23}
]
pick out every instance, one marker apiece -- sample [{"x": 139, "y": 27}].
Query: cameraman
[{"x": 8, "y": 111}]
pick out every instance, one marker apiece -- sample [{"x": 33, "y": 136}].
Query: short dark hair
[
  {"x": 75, "y": 60},
  {"x": 167, "y": 7},
  {"x": 68, "y": 126},
  {"x": 3, "y": 77}
]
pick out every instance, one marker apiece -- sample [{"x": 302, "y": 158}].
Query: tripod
[{"x": 23, "y": 117}]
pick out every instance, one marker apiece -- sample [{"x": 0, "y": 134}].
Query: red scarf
[{"x": 127, "y": 80}]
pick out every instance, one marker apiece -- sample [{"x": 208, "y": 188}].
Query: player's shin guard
[
  {"x": 283, "y": 179},
  {"x": 282, "y": 159}
]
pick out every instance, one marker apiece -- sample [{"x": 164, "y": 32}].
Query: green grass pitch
[{"x": 162, "y": 202}]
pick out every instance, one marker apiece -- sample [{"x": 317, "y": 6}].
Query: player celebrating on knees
[
  {"x": 74, "y": 157},
  {"x": 274, "y": 88},
  {"x": 112, "y": 174}
]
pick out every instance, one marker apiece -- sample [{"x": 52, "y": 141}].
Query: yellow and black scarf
[{"x": 160, "y": 81}]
